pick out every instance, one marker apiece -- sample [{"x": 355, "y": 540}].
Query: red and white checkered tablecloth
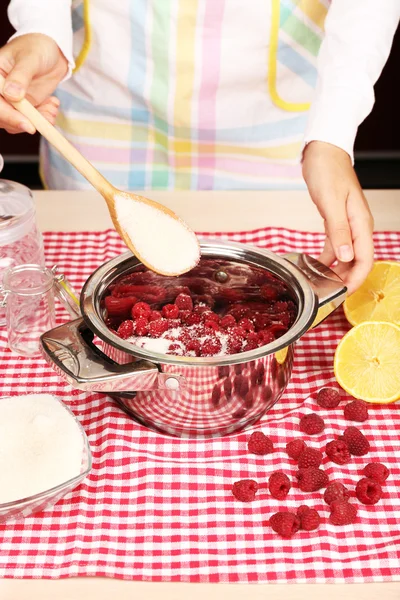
[{"x": 160, "y": 509}]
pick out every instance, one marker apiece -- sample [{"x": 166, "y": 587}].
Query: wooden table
[{"x": 204, "y": 211}]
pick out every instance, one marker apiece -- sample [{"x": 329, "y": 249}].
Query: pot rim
[{"x": 104, "y": 275}]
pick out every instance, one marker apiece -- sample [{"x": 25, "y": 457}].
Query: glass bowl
[{"x": 25, "y": 507}]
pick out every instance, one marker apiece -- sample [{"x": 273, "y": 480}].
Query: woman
[{"x": 209, "y": 94}]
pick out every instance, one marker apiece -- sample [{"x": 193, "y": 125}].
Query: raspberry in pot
[
  {"x": 285, "y": 523},
  {"x": 210, "y": 347},
  {"x": 338, "y": 452},
  {"x": 184, "y": 302},
  {"x": 356, "y": 441},
  {"x": 155, "y": 315},
  {"x": 157, "y": 328},
  {"x": 141, "y": 309},
  {"x": 269, "y": 292},
  {"x": 310, "y": 457},
  {"x": 259, "y": 443},
  {"x": 342, "y": 512},
  {"x": 170, "y": 311},
  {"x": 312, "y": 424},
  {"x": 368, "y": 491},
  {"x": 356, "y": 411},
  {"x": 141, "y": 326},
  {"x": 193, "y": 346},
  {"x": 125, "y": 330},
  {"x": 246, "y": 324},
  {"x": 227, "y": 322},
  {"x": 279, "y": 485},
  {"x": 328, "y": 398},
  {"x": 311, "y": 479},
  {"x": 336, "y": 491},
  {"x": 376, "y": 471},
  {"x": 295, "y": 447},
  {"x": 245, "y": 490}
]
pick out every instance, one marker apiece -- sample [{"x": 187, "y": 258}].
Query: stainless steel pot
[{"x": 184, "y": 396}]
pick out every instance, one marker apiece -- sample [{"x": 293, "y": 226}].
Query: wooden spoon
[{"x": 150, "y": 241}]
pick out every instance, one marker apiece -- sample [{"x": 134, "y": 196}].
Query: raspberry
[
  {"x": 141, "y": 309},
  {"x": 227, "y": 322},
  {"x": 216, "y": 395},
  {"x": 239, "y": 332},
  {"x": 170, "y": 311},
  {"x": 356, "y": 411},
  {"x": 246, "y": 324},
  {"x": 310, "y": 457},
  {"x": 295, "y": 448},
  {"x": 228, "y": 388},
  {"x": 118, "y": 307},
  {"x": 368, "y": 491},
  {"x": 211, "y": 326},
  {"x": 338, "y": 452},
  {"x": 285, "y": 523},
  {"x": 342, "y": 512},
  {"x": 269, "y": 292},
  {"x": 210, "y": 347},
  {"x": 302, "y": 510},
  {"x": 311, "y": 479},
  {"x": 155, "y": 315},
  {"x": 259, "y": 443},
  {"x": 175, "y": 349},
  {"x": 309, "y": 519},
  {"x": 184, "y": 302},
  {"x": 157, "y": 328},
  {"x": 376, "y": 471},
  {"x": 245, "y": 490},
  {"x": 335, "y": 491},
  {"x": 125, "y": 330},
  {"x": 261, "y": 322},
  {"x": 251, "y": 342},
  {"x": 328, "y": 398},
  {"x": 141, "y": 326},
  {"x": 193, "y": 319},
  {"x": 279, "y": 485},
  {"x": 356, "y": 441},
  {"x": 311, "y": 424},
  {"x": 193, "y": 346},
  {"x": 234, "y": 344}
]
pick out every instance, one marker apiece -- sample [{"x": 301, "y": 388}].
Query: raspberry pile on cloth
[{"x": 161, "y": 509}]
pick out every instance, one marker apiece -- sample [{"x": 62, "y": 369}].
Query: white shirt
[{"x": 358, "y": 38}]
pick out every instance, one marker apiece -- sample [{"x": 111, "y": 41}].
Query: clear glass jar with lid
[{"x": 20, "y": 239}]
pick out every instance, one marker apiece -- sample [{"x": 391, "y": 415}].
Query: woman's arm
[{"x": 359, "y": 35}]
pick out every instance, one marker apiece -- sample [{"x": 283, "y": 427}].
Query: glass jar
[
  {"x": 20, "y": 240},
  {"x": 30, "y": 311}
]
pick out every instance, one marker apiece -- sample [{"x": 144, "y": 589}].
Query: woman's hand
[
  {"x": 337, "y": 194},
  {"x": 33, "y": 66}
]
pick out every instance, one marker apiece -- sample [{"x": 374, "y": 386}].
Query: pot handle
[
  {"x": 69, "y": 349},
  {"x": 328, "y": 287}
]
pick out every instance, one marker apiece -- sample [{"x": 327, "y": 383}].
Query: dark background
[{"x": 377, "y": 148}]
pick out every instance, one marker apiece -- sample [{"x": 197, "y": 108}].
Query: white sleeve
[
  {"x": 50, "y": 17},
  {"x": 358, "y": 38}
]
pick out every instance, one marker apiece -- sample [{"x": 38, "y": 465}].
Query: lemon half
[{"x": 367, "y": 362}]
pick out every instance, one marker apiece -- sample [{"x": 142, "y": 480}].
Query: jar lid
[{"x": 16, "y": 211}]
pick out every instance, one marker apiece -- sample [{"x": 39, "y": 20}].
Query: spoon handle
[{"x": 60, "y": 143}]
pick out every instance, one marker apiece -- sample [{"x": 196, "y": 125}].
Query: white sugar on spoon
[
  {"x": 155, "y": 234},
  {"x": 161, "y": 239}
]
